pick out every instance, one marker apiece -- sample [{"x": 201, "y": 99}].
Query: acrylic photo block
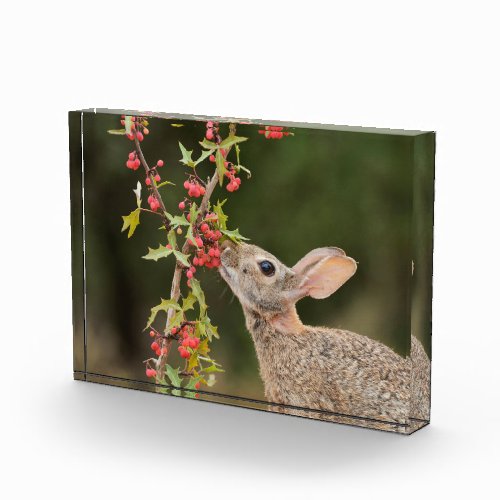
[{"x": 277, "y": 266}]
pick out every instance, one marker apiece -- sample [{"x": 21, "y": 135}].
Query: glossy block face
[{"x": 281, "y": 267}]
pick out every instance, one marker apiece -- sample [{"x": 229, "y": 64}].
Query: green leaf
[
  {"x": 131, "y": 221},
  {"x": 164, "y": 305},
  {"x": 165, "y": 183},
  {"x": 193, "y": 213},
  {"x": 203, "y": 155},
  {"x": 210, "y": 330},
  {"x": 189, "y": 302},
  {"x": 241, "y": 167},
  {"x": 172, "y": 238},
  {"x": 203, "y": 348},
  {"x": 173, "y": 375},
  {"x": 193, "y": 381},
  {"x": 192, "y": 364},
  {"x": 221, "y": 216},
  {"x": 182, "y": 258},
  {"x": 176, "y": 319},
  {"x": 198, "y": 293},
  {"x": 231, "y": 140},
  {"x": 208, "y": 144},
  {"x": 221, "y": 168},
  {"x": 233, "y": 235},
  {"x": 186, "y": 156},
  {"x": 178, "y": 220},
  {"x": 213, "y": 368},
  {"x": 121, "y": 131},
  {"x": 157, "y": 253}
]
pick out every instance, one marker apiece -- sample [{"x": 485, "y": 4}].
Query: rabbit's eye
[{"x": 267, "y": 268}]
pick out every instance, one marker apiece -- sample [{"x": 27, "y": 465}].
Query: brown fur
[{"x": 321, "y": 368}]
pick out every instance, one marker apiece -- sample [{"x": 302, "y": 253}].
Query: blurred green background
[{"x": 316, "y": 188}]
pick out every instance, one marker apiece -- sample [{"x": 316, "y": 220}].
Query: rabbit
[{"x": 320, "y": 368}]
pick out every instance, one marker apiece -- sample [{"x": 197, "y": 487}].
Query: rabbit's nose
[{"x": 227, "y": 244}]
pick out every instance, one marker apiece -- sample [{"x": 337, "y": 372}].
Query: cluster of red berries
[
  {"x": 212, "y": 130},
  {"x": 154, "y": 204},
  {"x": 189, "y": 341},
  {"x": 208, "y": 254},
  {"x": 138, "y": 127},
  {"x": 133, "y": 161},
  {"x": 194, "y": 188},
  {"x": 271, "y": 132},
  {"x": 233, "y": 181}
]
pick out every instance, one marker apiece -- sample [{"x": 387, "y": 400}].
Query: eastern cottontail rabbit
[{"x": 321, "y": 368}]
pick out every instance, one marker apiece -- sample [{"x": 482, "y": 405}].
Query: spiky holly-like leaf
[
  {"x": 173, "y": 375},
  {"x": 164, "y": 306},
  {"x": 188, "y": 302},
  {"x": 221, "y": 168},
  {"x": 233, "y": 235},
  {"x": 198, "y": 293},
  {"x": 157, "y": 253},
  {"x": 131, "y": 221},
  {"x": 231, "y": 140},
  {"x": 182, "y": 258},
  {"x": 221, "y": 216},
  {"x": 187, "y": 156}
]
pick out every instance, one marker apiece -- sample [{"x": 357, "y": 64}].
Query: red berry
[
  {"x": 173, "y": 331},
  {"x": 211, "y": 252},
  {"x": 187, "y": 184},
  {"x": 154, "y": 346},
  {"x": 223, "y": 152},
  {"x": 192, "y": 343},
  {"x": 210, "y": 124},
  {"x": 159, "y": 163},
  {"x": 150, "y": 372},
  {"x": 217, "y": 253},
  {"x": 188, "y": 217},
  {"x": 152, "y": 333},
  {"x": 148, "y": 181},
  {"x": 140, "y": 137},
  {"x": 157, "y": 178},
  {"x": 195, "y": 261},
  {"x": 184, "y": 353},
  {"x": 189, "y": 274},
  {"x": 158, "y": 352},
  {"x": 164, "y": 350},
  {"x": 145, "y": 130},
  {"x": 230, "y": 187},
  {"x": 131, "y": 156},
  {"x": 130, "y": 164},
  {"x": 204, "y": 227},
  {"x": 137, "y": 163},
  {"x": 197, "y": 386},
  {"x": 169, "y": 246},
  {"x": 212, "y": 158},
  {"x": 209, "y": 134},
  {"x": 186, "y": 342},
  {"x": 182, "y": 205},
  {"x": 199, "y": 241},
  {"x": 202, "y": 190}
]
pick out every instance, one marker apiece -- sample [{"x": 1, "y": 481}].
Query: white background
[{"x": 418, "y": 65}]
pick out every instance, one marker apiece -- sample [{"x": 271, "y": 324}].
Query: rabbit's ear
[{"x": 323, "y": 271}]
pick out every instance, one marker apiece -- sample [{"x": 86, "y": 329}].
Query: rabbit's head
[{"x": 267, "y": 287}]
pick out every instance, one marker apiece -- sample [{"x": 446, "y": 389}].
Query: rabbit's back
[{"x": 338, "y": 371}]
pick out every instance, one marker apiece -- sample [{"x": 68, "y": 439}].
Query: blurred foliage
[{"x": 317, "y": 188}]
